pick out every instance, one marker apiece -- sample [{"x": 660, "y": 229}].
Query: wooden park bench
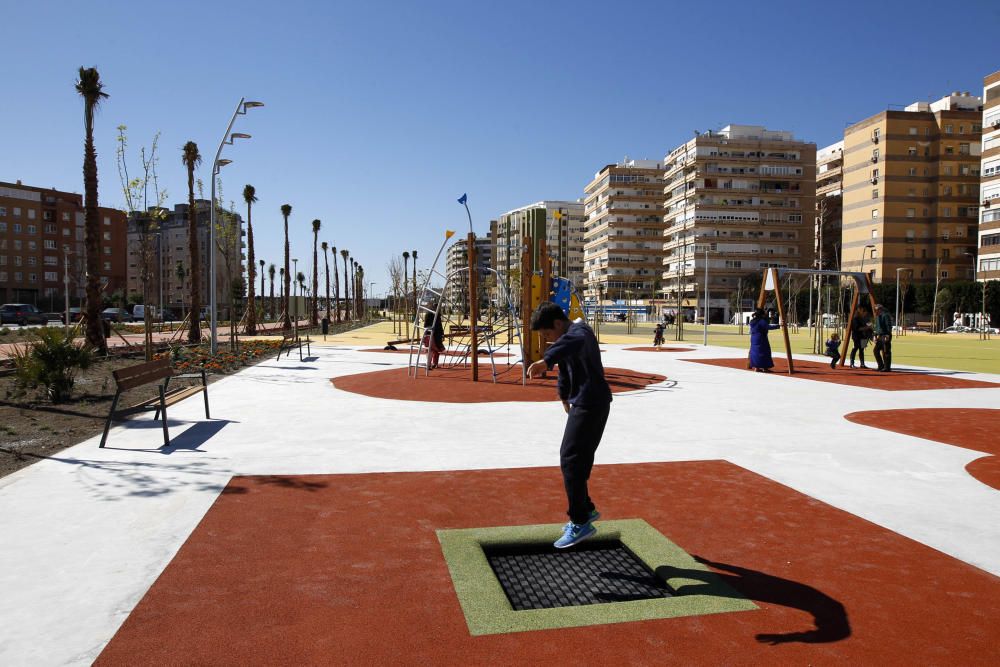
[
  {"x": 149, "y": 373},
  {"x": 289, "y": 342},
  {"x": 923, "y": 326}
]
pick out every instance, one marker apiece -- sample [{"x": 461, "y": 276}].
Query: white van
[{"x": 139, "y": 312}]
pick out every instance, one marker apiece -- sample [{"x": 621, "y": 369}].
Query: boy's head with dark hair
[{"x": 549, "y": 321}]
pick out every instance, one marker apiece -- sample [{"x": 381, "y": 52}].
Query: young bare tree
[
  {"x": 395, "y": 270},
  {"x": 145, "y": 221},
  {"x": 227, "y": 242}
]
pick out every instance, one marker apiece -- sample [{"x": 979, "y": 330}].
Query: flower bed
[{"x": 186, "y": 359}]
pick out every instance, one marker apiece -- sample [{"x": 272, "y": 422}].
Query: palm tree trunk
[
  {"x": 251, "y": 279},
  {"x": 194, "y": 331},
  {"x": 95, "y": 330},
  {"x": 313, "y": 310},
  {"x": 336, "y": 287},
  {"x": 287, "y": 323},
  {"x": 271, "y": 304},
  {"x": 347, "y": 292},
  {"x": 326, "y": 267}
]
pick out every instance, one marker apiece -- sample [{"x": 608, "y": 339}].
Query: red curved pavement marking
[
  {"x": 658, "y": 349},
  {"x": 970, "y": 428},
  {"x": 455, "y": 385},
  {"x": 897, "y": 380},
  {"x": 355, "y": 576}
]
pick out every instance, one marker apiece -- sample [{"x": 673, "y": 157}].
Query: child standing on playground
[
  {"x": 833, "y": 349},
  {"x": 586, "y": 397},
  {"x": 658, "y": 335}
]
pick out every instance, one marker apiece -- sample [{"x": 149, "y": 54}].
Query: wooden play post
[
  {"x": 473, "y": 306},
  {"x": 528, "y": 342},
  {"x": 771, "y": 282}
]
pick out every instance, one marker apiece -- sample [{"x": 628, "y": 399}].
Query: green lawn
[{"x": 961, "y": 352}]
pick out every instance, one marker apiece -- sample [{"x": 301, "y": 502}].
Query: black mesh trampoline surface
[{"x": 543, "y": 577}]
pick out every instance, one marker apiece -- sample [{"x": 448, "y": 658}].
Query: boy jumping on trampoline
[{"x": 586, "y": 397}]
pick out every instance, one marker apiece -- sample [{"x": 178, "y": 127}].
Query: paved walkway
[{"x": 86, "y": 533}]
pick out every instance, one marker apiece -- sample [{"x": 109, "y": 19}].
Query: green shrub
[{"x": 51, "y": 361}]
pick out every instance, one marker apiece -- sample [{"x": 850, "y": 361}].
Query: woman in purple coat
[{"x": 760, "y": 347}]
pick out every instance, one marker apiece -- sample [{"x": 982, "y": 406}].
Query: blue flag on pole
[{"x": 464, "y": 198}]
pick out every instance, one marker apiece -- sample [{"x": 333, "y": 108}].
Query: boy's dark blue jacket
[
  {"x": 832, "y": 347},
  {"x": 581, "y": 373}
]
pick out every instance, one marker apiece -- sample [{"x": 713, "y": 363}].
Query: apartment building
[
  {"x": 622, "y": 250},
  {"x": 829, "y": 205},
  {"x": 744, "y": 194},
  {"x": 457, "y": 257},
  {"x": 989, "y": 220},
  {"x": 42, "y": 244},
  {"x": 911, "y": 190},
  {"x": 169, "y": 252},
  {"x": 559, "y": 223}
]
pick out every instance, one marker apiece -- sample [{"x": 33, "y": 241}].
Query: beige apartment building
[
  {"x": 989, "y": 221},
  {"x": 456, "y": 258},
  {"x": 744, "y": 194},
  {"x": 42, "y": 251},
  {"x": 622, "y": 234},
  {"x": 829, "y": 205},
  {"x": 911, "y": 190},
  {"x": 560, "y": 223},
  {"x": 170, "y": 259}
]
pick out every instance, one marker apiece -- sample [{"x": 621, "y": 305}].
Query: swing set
[{"x": 772, "y": 283}]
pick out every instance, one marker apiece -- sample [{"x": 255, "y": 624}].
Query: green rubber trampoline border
[{"x": 488, "y": 611}]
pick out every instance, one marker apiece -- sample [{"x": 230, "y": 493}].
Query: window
[
  {"x": 945, "y": 234},
  {"x": 32, "y": 261},
  {"x": 948, "y": 129},
  {"x": 65, "y": 216},
  {"x": 32, "y": 229},
  {"x": 913, "y": 130},
  {"x": 3, "y": 260},
  {"x": 911, "y": 212},
  {"x": 107, "y": 220},
  {"x": 875, "y": 193},
  {"x": 949, "y": 150},
  {"x": 32, "y": 277},
  {"x": 49, "y": 244},
  {"x": 3, "y": 276},
  {"x": 3, "y": 227},
  {"x": 31, "y": 214},
  {"x": 946, "y": 212},
  {"x": 107, "y": 266},
  {"x": 50, "y": 229},
  {"x": 48, "y": 215},
  {"x": 51, "y": 260},
  {"x": 913, "y": 171},
  {"x": 17, "y": 228},
  {"x": 874, "y": 233},
  {"x": 911, "y": 192},
  {"x": 32, "y": 245},
  {"x": 912, "y": 151},
  {"x": 18, "y": 277},
  {"x": 50, "y": 277},
  {"x": 947, "y": 170},
  {"x": 107, "y": 236},
  {"x": 874, "y": 253},
  {"x": 3, "y": 211},
  {"x": 963, "y": 149},
  {"x": 17, "y": 244},
  {"x": 874, "y": 173},
  {"x": 107, "y": 250},
  {"x": 65, "y": 231},
  {"x": 17, "y": 212},
  {"x": 944, "y": 274},
  {"x": 874, "y": 213},
  {"x": 909, "y": 253}
]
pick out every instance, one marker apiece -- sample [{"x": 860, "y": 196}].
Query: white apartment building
[
  {"x": 989, "y": 213},
  {"x": 559, "y": 222}
]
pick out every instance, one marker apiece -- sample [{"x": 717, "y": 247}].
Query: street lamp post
[
  {"x": 896, "y": 321},
  {"x": 217, "y": 164},
  {"x": 705, "y": 323},
  {"x": 295, "y": 296},
  {"x": 66, "y": 254}
]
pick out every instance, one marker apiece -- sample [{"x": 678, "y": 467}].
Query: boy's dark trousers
[
  {"x": 883, "y": 352},
  {"x": 584, "y": 428}
]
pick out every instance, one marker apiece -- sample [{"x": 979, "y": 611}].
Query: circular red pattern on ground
[
  {"x": 455, "y": 385},
  {"x": 658, "y": 349},
  {"x": 971, "y": 428}
]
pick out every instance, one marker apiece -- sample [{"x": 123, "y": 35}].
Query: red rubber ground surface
[
  {"x": 971, "y": 428},
  {"x": 897, "y": 380},
  {"x": 447, "y": 353},
  {"x": 455, "y": 385},
  {"x": 347, "y": 569},
  {"x": 660, "y": 349}
]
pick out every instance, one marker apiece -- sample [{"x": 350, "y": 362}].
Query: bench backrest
[
  {"x": 287, "y": 336},
  {"x": 140, "y": 374}
]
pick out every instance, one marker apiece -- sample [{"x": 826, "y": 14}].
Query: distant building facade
[
  {"x": 559, "y": 223},
  {"x": 829, "y": 205},
  {"x": 42, "y": 243},
  {"x": 989, "y": 220}
]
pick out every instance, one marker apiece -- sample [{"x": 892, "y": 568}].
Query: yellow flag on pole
[{"x": 448, "y": 234}]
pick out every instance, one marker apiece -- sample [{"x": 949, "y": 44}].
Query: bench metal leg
[
  {"x": 204, "y": 383},
  {"x": 163, "y": 408},
  {"x": 107, "y": 424}
]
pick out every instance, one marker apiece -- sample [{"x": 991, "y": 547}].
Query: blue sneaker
[
  {"x": 594, "y": 516},
  {"x": 574, "y": 533}
]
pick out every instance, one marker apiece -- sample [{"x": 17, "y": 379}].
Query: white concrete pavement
[{"x": 84, "y": 535}]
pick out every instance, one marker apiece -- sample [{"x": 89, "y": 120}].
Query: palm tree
[
  {"x": 406, "y": 291},
  {"x": 326, "y": 265},
  {"x": 91, "y": 89},
  {"x": 361, "y": 291},
  {"x": 414, "y": 283},
  {"x": 314, "y": 310},
  {"x": 344, "y": 254},
  {"x": 191, "y": 159},
  {"x": 336, "y": 284},
  {"x": 286, "y": 210},
  {"x": 270, "y": 274},
  {"x": 250, "y": 197},
  {"x": 354, "y": 286},
  {"x": 261, "y": 283}
]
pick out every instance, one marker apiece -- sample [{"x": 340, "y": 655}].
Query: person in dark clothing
[
  {"x": 833, "y": 349},
  {"x": 861, "y": 333},
  {"x": 658, "y": 335},
  {"x": 760, "y": 346},
  {"x": 883, "y": 339},
  {"x": 433, "y": 339},
  {"x": 586, "y": 397}
]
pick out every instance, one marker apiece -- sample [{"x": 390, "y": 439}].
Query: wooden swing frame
[{"x": 772, "y": 283}]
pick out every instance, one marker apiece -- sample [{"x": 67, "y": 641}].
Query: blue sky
[{"x": 379, "y": 115}]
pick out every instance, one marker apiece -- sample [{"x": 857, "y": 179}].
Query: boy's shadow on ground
[{"x": 828, "y": 614}]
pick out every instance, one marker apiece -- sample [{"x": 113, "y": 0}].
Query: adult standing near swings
[
  {"x": 760, "y": 346},
  {"x": 883, "y": 339}
]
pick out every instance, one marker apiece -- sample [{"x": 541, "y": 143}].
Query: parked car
[
  {"x": 22, "y": 314},
  {"x": 74, "y": 315},
  {"x": 116, "y": 315},
  {"x": 168, "y": 315}
]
